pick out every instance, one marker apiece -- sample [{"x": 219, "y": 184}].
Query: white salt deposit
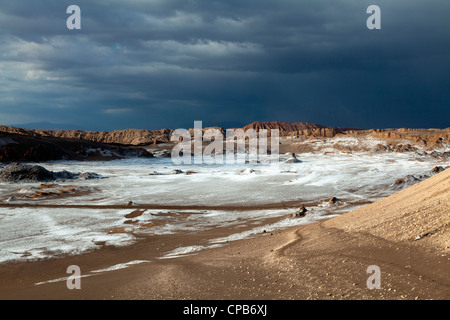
[{"x": 39, "y": 232}]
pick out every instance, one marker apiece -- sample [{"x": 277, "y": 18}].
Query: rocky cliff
[
  {"x": 284, "y": 126},
  {"x": 402, "y": 139},
  {"x": 299, "y": 128},
  {"x": 134, "y": 137},
  {"x": 37, "y": 148},
  {"x": 18, "y": 144}
]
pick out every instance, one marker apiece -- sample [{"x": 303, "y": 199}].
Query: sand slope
[{"x": 419, "y": 213}]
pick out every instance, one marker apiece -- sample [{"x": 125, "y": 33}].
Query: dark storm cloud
[{"x": 166, "y": 63}]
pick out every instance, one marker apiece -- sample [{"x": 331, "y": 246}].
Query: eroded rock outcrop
[
  {"x": 17, "y": 172},
  {"x": 131, "y": 137},
  {"x": 413, "y": 179},
  {"x": 30, "y": 148},
  {"x": 43, "y": 145}
]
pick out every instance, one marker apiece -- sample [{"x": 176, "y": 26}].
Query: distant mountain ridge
[
  {"x": 48, "y": 126},
  {"x": 142, "y": 137}
]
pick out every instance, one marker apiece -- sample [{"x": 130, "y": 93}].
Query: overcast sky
[{"x": 165, "y": 63}]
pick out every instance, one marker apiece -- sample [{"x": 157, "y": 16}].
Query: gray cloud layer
[{"x": 166, "y": 63}]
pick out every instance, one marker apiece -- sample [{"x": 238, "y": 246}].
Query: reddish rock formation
[
  {"x": 297, "y": 129},
  {"x": 134, "y": 137},
  {"x": 18, "y": 144},
  {"x": 284, "y": 126}
]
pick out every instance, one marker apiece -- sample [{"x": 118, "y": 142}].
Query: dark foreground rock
[
  {"x": 334, "y": 200},
  {"x": 300, "y": 213},
  {"x": 17, "y": 172},
  {"x": 410, "y": 179},
  {"x": 293, "y": 159}
]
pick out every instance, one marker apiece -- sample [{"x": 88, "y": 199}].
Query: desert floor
[{"x": 406, "y": 235}]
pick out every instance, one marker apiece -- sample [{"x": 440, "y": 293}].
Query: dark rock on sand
[
  {"x": 89, "y": 176},
  {"x": 333, "y": 200},
  {"x": 300, "y": 213},
  {"x": 11, "y": 199},
  {"x": 17, "y": 172},
  {"x": 437, "y": 169},
  {"x": 410, "y": 179},
  {"x": 132, "y": 204},
  {"x": 293, "y": 159}
]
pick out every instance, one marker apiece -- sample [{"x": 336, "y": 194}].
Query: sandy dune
[{"x": 420, "y": 213}]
